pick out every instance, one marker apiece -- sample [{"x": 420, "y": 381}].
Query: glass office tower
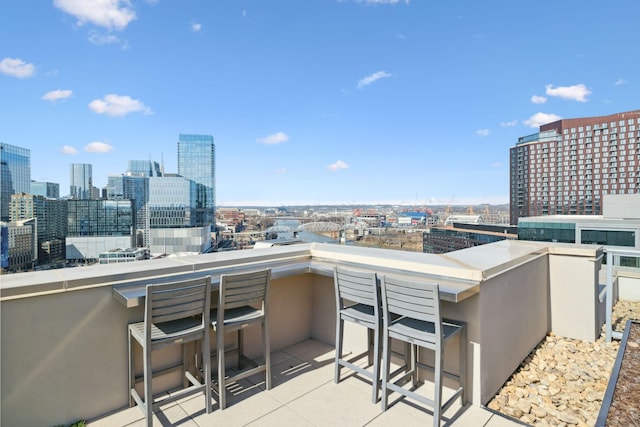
[
  {"x": 50, "y": 190},
  {"x": 197, "y": 161},
  {"x": 15, "y": 175},
  {"x": 136, "y": 188},
  {"x": 96, "y": 218},
  {"x": 80, "y": 180},
  {"x": 172, "y": 201},
  {"x": 143, "y": 168}
]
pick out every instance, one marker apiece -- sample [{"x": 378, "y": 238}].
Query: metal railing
[{"x": 613, "y": 259}]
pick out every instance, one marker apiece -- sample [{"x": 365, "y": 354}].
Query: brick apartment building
[{"x": 568, "y": 165}]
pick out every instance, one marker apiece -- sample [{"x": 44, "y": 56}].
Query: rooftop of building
[{"x": 64, "y": 353}]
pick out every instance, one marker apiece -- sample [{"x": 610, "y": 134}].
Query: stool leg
[
  {"x": 222, "y": 391},
  {"x": 148, "y": 388},
  {"x": 370, "y": 346},
  {"x": 267, "y": 353},
  {"x": 386, "y": 364},
  {"x": 185, "y": 368},
  {"x": 240, "y": 348},
  {"x": 206, "y": 368},
  {"x": 414, "y": 364},
  {"x": 339, "y": 334},
  {"x": 463, "y": 364},
  {"x": 132, "y": 375},
  {"x": 377, "y": 353},
  {"x": 437, "y": 400}
]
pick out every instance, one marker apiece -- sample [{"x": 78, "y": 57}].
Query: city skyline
[{"x": 318, "y": 102}]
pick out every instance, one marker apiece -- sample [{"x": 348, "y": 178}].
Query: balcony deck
[
  {"x": 303, "y": 394},
  {"x": 64, "y": 346}
]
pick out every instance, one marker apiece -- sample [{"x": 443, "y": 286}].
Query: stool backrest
[
  {"x": 356, "y": 286},
  {"x": 238, "y": 290},
  {"x": 166, "y": 302},
  {"x": 419, "y": 301}
]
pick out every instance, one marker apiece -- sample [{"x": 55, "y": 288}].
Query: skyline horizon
[{"x": 334, "y": 103}]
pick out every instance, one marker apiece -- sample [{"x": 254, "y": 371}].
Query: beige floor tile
[
  {"x": 303, "y": 347},
  {"x": 120, "y": 417},
  {"x": 320, "y": 355},
  {"x": 282, "y": 417},
  {"x": 169, "y": 416},
  {"x": 336, "y": 405},
  {"x": 501, "y": 421},
  {"x": 293, "y": 378},
  {"x": 241, "y": 409},
  {"x": 469, "y": 416}
]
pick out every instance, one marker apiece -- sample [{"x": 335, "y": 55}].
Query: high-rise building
[
  {"x": 80, "y": 181},
  {"x": 197, "y": 161},
  {"x": 96, "y": 226},
  {"x": 143, "y": 168},
  {"x": 172, "y": 202},
  {"x": 136, "y": 188},
  {"x": 15, "y": 175},
  {"x": 50, "y": 220},
  {"x": 172, "y": 217},
  {"x": 98, "y": 218},
  {"x": 50, "y": 190},
  {"x": 568, "y": 165}
]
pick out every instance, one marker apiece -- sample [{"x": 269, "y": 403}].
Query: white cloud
[
  {"x": 538, "y": 99},
  {"x": 98, "y": 147},
  {"x": 281, "y": 171},
  {"x": 56, "y": 95},
  {"x": 111, "y": 14},
  {"x": 540, "y": 119},
  {"x": 366, "y": 81},
  {"x": 274, "y": 138},
  {"x": 482, "y": 132},
  {"x": 575, "y": 93},
  {"x": 512, "y": 123},
  {"x": 116, "y": 106},
  {"x": 195, "y": 27},
  {"x": 99, "y": 39},
  {"x": 621, "y": 82},
  {"x": 17, "y": 68},
  {"x": 244, "y": 12},
  {"x": 67, "y": 149},
  {"x": 338, "y": 165},
  {"x": 496, "y": 164}
]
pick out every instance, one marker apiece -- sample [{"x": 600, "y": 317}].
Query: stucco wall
[
  {"x": 574, "y": 301},
  {"x": 66, "y": 354},
  {"x": 514, "y": 319}
]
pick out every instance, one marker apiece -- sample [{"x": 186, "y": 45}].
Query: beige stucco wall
[
  {"x": 65, "y": 354},
  {"x": 514, "y": 319},
  {"x": 629, "y": 284},
  {"x": 574, "y": 300}
]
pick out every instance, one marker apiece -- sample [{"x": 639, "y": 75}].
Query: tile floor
[{"x": 303, "y": 393}]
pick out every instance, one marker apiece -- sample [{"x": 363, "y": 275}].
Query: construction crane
[{"x": 447, "y": 211}]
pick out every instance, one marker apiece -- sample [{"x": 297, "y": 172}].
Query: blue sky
[{"x": 309, "y": 101}]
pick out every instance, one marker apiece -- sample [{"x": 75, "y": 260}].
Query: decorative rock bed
[{"x": 563, "y": 381}]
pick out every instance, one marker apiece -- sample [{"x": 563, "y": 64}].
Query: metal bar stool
[
  {"x": 361, "y": 291},
  {"x": 237, "y": 300},
  {"x": 419, "y": 323},
  {"x": 175, "y": 313}
]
